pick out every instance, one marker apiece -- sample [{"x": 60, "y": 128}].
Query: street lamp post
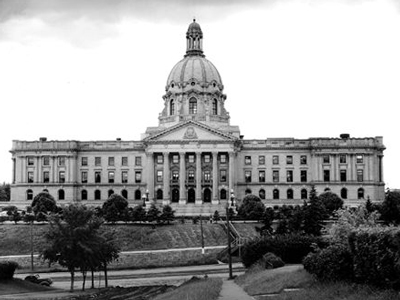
[{"x": 230, "y": 204}]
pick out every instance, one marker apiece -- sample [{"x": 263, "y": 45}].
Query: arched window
[
  {"x": 343, "y": 193},
  {"x": 172, "y": 107},
  {"x": 46, "y": 190},
  {"x": 192, "y": 106},
  {"x": 84, "y": 194},
  {"x": 289, "y": 194},
  {"x": 138, "y": 195},
  {"x": 191, "y": 195},
  {"x": 97, "y": 195},
  {"x": 360, "y": 193},
  {"x": 275, "y": 194},
  {"x": 261, "y": 193},
  {"x": 159, "y": 194},
  {"x": 327, "y": 190},
  {"x": 29, "y": 195},
  {"x": 304, "y": 194},
  {"x": 110, "y": 192},
  {"x": 124, "y": 193},
  {"x": 175, "y": 195},
  {"x": 222, "y": 194},
  {"x": 247, "y": 191},
  {"x": 61, "y": 195},
  {"x": 207, "y": 195},
  {"x": 215, "y": 107}
]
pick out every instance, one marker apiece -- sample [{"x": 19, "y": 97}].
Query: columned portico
[
  {"x": 199, "y": 200},
  {"x": 150, "y": 175},
  {"x": 215, "y": 178},
  {"x": 182, "y": 177},
  {"x": 166, "y": 178}
]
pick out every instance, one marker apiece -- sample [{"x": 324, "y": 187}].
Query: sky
[{"x": 96, "y": 70}]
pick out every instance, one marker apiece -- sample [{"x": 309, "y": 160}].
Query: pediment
[{"x": 191, "y": 131}]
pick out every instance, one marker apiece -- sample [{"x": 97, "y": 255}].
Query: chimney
[
  {"x": 43, "y": 139},
  {"x": 345, "y": 136}
]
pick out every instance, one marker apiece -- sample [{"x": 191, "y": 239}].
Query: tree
[
  {"x": 153, "y": 214},
  {"x": 331, "y": 201},
  {"x": 252, "y": 208},
  {"x": 115, "y": 208},
  {"x": 167, "y": 215},
  {"x": 390, "y": 210},
  {"x": 138, "y": 213},
  {"x": 3, "y": 195},
  {"x": 76, "y": 243},
  {"x": 44, "y": 202},
  {"x": 314, "y": 214}
]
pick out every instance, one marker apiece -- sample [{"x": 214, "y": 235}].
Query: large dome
[{"x": 194, "y": 68}]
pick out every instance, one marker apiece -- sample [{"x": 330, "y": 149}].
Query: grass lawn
[
  {"x": 17, "y": 286},
  {"x": 195, "y": 289},
  {"x": 258, "y": 281}
]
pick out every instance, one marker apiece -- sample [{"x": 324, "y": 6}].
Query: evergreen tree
[
  {"x": 331, "y": 201},
  {"x": 153, "y": 214},
  {"x": 314, "y": 214},
  {"x": 115, "y": 208},
  {"x": 252, "y": 208},
  {"x": 167, "y": 215},
  {"x": 390, "y": 210}
]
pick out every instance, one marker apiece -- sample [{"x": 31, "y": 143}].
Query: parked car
[{"x": 36, "y": 279}]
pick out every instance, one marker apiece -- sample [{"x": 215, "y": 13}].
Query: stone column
[
  {"x": 215, "y": 197},
  {"x": 182, "y": 177},
  {"x": 14, "y": 170},
  {"x": 150, "y": 175},
  {"x": 199, "y": 200},
  {"x": 23, "y": 170},
  {"x": 231, "y": 172},
  {"x": 38, "y": 169},
  {"x": 53, "y": 168},
  {"x": 166, "y": 178}
]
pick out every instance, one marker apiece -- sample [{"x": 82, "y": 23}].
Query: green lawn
[{"x": 15, "y": 239}]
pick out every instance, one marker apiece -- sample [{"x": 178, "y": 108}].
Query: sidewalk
[{"x": 231, "y": 291}]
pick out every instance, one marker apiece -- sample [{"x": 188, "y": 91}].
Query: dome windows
[
  {"x": 193, "y": 83},
  {"x": 192, "y": 106},
  {"x": 172, "y": 107},
  {"x": 215, "y": 107}
]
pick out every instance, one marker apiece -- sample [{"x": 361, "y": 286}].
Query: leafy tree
[
  {"x": 267, "y": 220},
  {"x": 153, "y": 214},
  {"x": 76, "y": 242},
  {"x": 3, "y": 195},
  {"x": 252, "y": 208},
  {"x": 167, "y": 215},
  {"x": 138, "y": 213},
  {"x": 390, "y": 210},
  {"x": 314, "y": 214},
  {"x": 296, "y": 220},
  {"x": 115, "y": 208},
  {"x": 44, "y": 202},
  {"x": 331, "y": 201}
]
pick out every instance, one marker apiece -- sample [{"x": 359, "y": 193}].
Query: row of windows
[
  {"x": 303, "y": 159},
  {"x": 193, "y": 106},
  {"x": 85, "y": 161},
  {"x": 159, "y": 159}
]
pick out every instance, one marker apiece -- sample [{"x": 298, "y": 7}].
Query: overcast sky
[{"x": 96, "y": 70}]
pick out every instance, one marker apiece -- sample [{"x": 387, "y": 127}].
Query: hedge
[{"x": 7, "y": 269}]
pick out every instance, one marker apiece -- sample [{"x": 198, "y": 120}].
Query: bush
[
  {"x": 330, "y": 264},
  {"x": 292, "y": 248},
  {"x": 271, "y": 261},
  {"x": 376, "y": 256},
  {"x": 7, "y": 269},
  {"x": 115, "y": 208}
]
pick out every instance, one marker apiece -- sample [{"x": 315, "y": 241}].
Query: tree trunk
[
  {"x": 83, "y": 280},
  {"x": 92, "y": 270},
  {"x": 105, "y": 275},
  {"x": 72, "y": 271}
]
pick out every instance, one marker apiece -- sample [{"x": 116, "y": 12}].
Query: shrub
[
  {"x": 376, "y": 256},
  {"x": 7, "y": 269},
  {"x": 292, "y": 248},
  {"x": 330, "y": 264},
  {"x": 115, "y": 208}
]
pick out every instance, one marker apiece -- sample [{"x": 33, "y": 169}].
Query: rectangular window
[
  {"x": 342, "y": 158},
  {"x": 84, "y": 177},
  {"x": 97, "y": 161},
  {"x": 111, "y": 177},
  {"x": 247, "y": 176},
  {"x": 61, "y": 177},
  {"x": 191, "y": 158},
  {"x": 261, "y": 176},
  {"x": 97, "y": 177},
  {"x": 359, "y": 158},
  {"x": 61, "y": 160},
  {"x": 138, "y": 161},
  {"x": 275, "y": 176},
  {"x": 160, "y": 158},
  {"x": 222, "y": 175},
  {"x": 223, "y": 158},
  {"x": 275, "y": 160},
  {"x": 124, "y": 177},
  {"x": 111, "y": 161},
  {"x": 175, "y": 159},
  {"x": 31, "y": 160},
  {"x": 46, "y": 160},
  {"x": 175, "y": 176},
  {"x": 303, "y": 175},
  {"x": 159, "y": 176},
  {"x": 138, "y": 176},
  {"x": 327, "y": 175},
  {"x": 124, "y": 161},
  {"x": 261, "y": 160},
  {"x": 207, "y": 176},
  {"x": 343, "y": 175},
  {"x": 30, "y": 177},
  {"x": 289, "y": 176},
  {"x": 247, "y": 160},
  {"x": 46, "y": 176},
  {"x": 207, "y": 158},
  {"x": 191, "y": 176},
  {"x": 325, "y": 159},
  {"x": 360, "y": 175},
  {"x": 289, "y": 160},
  {"x": 84, "y": 161},
  {"x": 303, "y": 159}
]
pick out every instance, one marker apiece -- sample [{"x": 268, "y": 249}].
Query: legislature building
[{"x": 195, "y": 159}]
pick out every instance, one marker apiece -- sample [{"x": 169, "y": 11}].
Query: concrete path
[{"x": 231, "y": 291}]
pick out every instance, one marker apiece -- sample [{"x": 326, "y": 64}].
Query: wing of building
[{"x": 195, "y": 158}]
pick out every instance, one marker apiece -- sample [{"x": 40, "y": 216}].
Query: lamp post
[
  {"x": 230, "y": 204},
  {"x": 145, "y": 198}
]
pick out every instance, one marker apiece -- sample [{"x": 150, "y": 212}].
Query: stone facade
[{"x": 195, "y": 159}]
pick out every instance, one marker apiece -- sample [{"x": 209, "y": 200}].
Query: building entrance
[
  {"x": 207, "y": 195},
  {"x": 191, "y": 195},
  {"x": 175, "y": 195}
]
